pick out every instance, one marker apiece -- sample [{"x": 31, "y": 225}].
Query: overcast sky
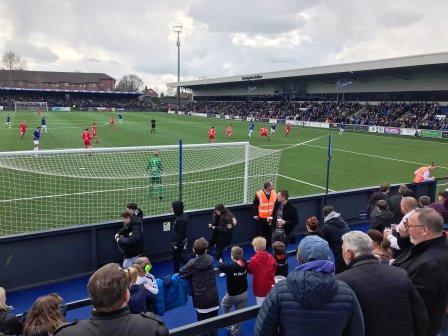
[{"x": 220, "y": 38}]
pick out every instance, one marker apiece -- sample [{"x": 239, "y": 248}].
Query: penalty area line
[{"x": 307, "y": 183}]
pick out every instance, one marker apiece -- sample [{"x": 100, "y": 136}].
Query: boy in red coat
[{"x": 263, "y": 267}]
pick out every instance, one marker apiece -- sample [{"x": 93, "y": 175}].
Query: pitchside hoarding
[
  {"x": 60, "y": 109},
  {"x": 392, "y": 130},
  {"x": 431, "y": 134}
]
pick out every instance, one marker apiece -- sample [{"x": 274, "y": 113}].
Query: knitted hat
[{"x": 313, "y": 248}]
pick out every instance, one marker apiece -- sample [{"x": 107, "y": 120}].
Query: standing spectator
[
  {"x": 262, "y": 209},
  {"x": 442, "y": 205},
  {"x": 311, "y": 301},
  {"x": 427, "y": 263},
  {"x": 385, "y": 293},
  {"x": 281, "y": 258},
  {"x": 424, "y": 201},
  {"x": 380, "y": 246},
  {"x": 180, "y": 235},
  {"x": 44, "y": 317},
  {"x": 381, "y": 217},
  {"x": 263, "y": 267},
  {"x": 333, "y": 229},
  {"x": 135, "y": 210},
  {"x": 139, "y": 295},
  {"x": 9, "y": 323},
  {"x": 312, "y": 227},
  {"x": 284, "y": 219},
  {"x": 382, "y": 194},
  {"x": 130, "y": 238},
  {"x": 109, "y": 293},
  {"x": 395, "y": 200},
  {"x": 202, "y": 274},
  {"x": 222, "y": 227},
  {"x": 423, "y": 174},
  {"x": 236, "y": 294}
]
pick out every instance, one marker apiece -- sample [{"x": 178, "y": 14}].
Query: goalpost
[
  {"x": 30, "y": 106},
  {"x": 60, "y": 188}
]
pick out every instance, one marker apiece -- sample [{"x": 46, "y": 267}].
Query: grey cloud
[
  {"x": 29, "y": 51},
  {"x": 399, "y": 18}
]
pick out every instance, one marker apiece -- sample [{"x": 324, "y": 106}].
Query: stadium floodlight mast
[{"x": 177, "y": 27}]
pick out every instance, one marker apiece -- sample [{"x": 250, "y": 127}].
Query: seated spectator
[
  {"x": 381, "y": 217},
  {"x": 442, "y": 205},
  {"x": 130, "y": 238},
  {"x": 145, "y": 278},
  {"x": 380, "y": 246},
  {"x": 9, "y": 323},
  {"x": 263, "y": 267},
  {"x": 236, "y": 294},
  {"x": 284, "y": 219},
  {"x": 203, "y": 282},
  {"x": 279, "y": 254},
  {"x": 426, "y": 262},
  {"x": 109, "y": 293},
  {"x": 311, "y": 301},
  {"x": 139, "y": 296},
  {"x": 389, "y": 297},
  {"x": 333, "y": 229},
  {"x": 44, "y": 317},
  {"x": 312, "y": 227},
  {"x": 424, "y": 201}
]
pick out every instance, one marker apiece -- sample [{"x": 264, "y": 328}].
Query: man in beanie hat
[{"x": 311, "y": 301}]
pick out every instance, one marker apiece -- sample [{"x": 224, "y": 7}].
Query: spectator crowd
[{"x": 392, "y": 280}]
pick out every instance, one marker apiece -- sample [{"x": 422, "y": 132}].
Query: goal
[
  {"x": 60, "y": 188},
  {"x": 30, "y": 106}
]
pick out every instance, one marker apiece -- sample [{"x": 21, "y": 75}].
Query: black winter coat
[
  {"x": 119, "y": 323},
  {"x": 223, "y": 231},
  {"x": 180, "y": 223},
  {"x": 203, "y": 282},
  {"x": 9, "y": 323},
  {"x": 427, "y": 266},
  {"x": 310, "y": 303},
  {"x": 395, "y": 207},
  {"x": 289, "y": 215},
  {"x": 333, "y": 230},
  {"x": 390, "y": 303},
  {"x": 131, "y": 241},
  {"x": 379, "y": 220}
]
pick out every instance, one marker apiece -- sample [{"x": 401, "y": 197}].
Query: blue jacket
[
  {"x": 310, "y": 303},
  {"x": 172, "y": 293}
]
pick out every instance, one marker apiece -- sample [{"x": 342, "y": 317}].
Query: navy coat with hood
[
  {"x": 310, "y": 303},
  {"x": 333, "y": 230},
  {"x": 180, "y": 223}
]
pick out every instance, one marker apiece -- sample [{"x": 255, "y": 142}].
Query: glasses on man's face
[{"x": 413, "y": 226}]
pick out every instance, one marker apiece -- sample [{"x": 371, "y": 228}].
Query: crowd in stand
[
  {"x": 83, "y": 102},
  {"x": 406, "y": 115},
  {"x": 392, "y": 280}
]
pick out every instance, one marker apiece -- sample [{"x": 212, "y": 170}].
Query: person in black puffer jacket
[
  {"x": 180, "y": 235},
  {"x": 203, "y": 282},
  {"x": 333, "y": 230},
  {"x": 130, "y": 238},
  {"x": 311, "y": 302},
  {"x": 222, "y": 226}
]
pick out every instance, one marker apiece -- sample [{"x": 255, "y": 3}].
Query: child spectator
[
  {"x": 281, "y": 258},
  {"x": 44, "y": 317},
  {"x": 381, "y": 247},
  {"x": 312, "y": 227},
  {"x": 263, "y": 267},
  {"x": 424, "y": 201},
  {"x": 203, "y": 282},
  {"x": 139, "y": 296},
  {"x": 236, "y": 294},
  {"x": 144, "y": 277}
]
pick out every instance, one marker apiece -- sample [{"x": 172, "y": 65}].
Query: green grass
[{"x": 359, "y": 160}]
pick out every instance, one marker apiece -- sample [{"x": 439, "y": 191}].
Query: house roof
[{"x": 52, "y": 76}]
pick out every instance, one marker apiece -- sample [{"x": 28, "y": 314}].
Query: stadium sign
[
  {"x": 408, "y": 131},
  {"x": 237, "y": 117},
  {"x": 333, "y": 125},
  {"x": 228, "y": 117},
  {"x": 272, "y": 121},
  {"x": 172, "y": 112},
  {"x": 376, "y": 129},
  {"x": 431, "y": 134},
  {"x": 391, "y": 130},
  {"x": 363, "y": 128},
  {"x": 298, "y": 123},
  {"x": 217, "y": 116},
  {"x": 444, "y": 134},
  {"x": 60, "y": 109}
]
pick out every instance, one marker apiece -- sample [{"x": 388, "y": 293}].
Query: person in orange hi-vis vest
[
  {"x": 262, "y": 208},
  {"x": 423, "y": 173}
]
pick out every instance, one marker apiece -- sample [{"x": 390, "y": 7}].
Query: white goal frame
[{"x": 31, "y": 106}]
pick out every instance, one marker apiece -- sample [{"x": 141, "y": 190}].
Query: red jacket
[{"x": 263, "y": 267}]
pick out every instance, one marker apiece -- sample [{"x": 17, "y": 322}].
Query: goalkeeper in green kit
[{"x": 155, "y": 169}]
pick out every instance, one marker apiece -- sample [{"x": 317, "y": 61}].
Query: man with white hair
[
  {"x": 426, "y": 262},
  {"x": 390, "y": 302}
]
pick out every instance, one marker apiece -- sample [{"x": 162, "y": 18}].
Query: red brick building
[{"x": 49, "y": 80}]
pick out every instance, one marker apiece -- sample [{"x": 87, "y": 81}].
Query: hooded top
[
  {"x": 180, "y": 223},
  {"x": 310, "y": 302},
  {"x": 333, "y": 230}
]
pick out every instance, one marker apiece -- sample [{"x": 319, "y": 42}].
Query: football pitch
[{"x": 359, "y": 159}]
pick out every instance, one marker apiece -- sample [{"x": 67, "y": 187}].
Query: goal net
[
  {"x": 30, "y": 106},
  {"x": 60, "y": 188}
]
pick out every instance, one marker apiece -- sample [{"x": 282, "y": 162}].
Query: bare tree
[
  {"x": 12, "y": 61},
  {"x": 130, "y": 83}
]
